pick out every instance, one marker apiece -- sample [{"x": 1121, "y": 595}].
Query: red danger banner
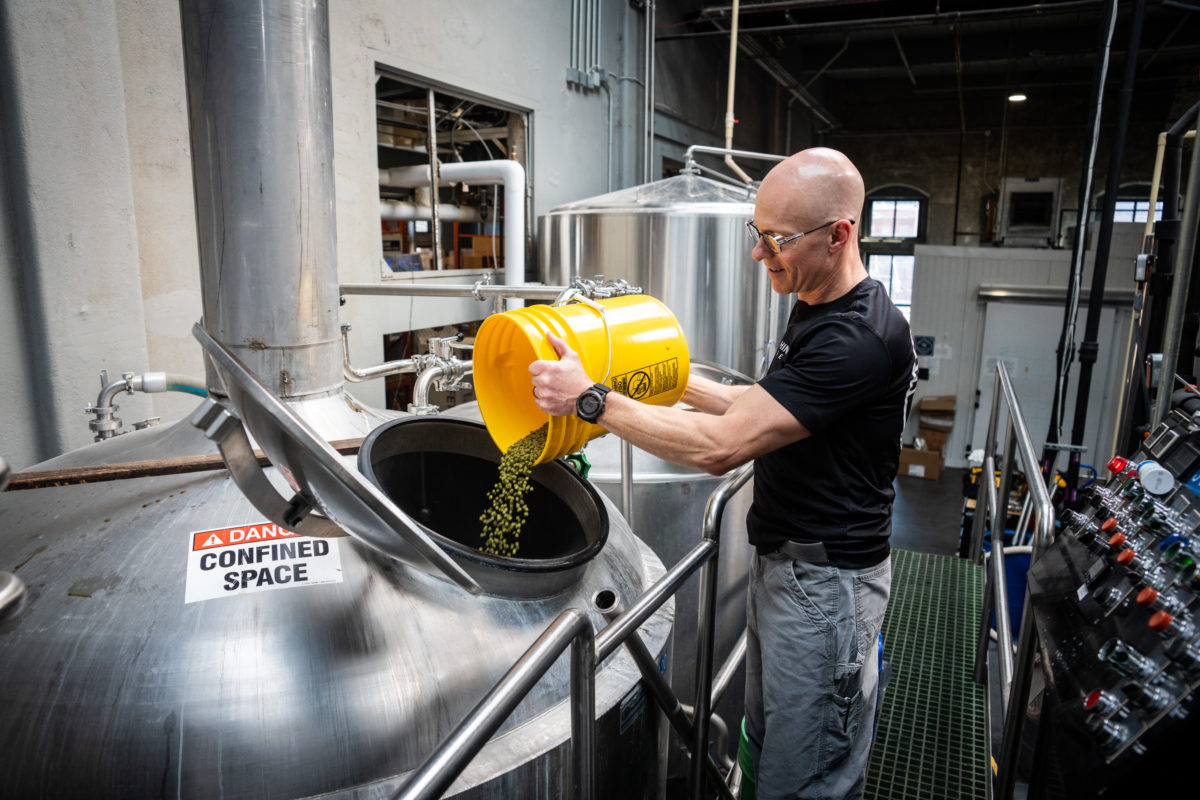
[{"x": 223, "y": 537}]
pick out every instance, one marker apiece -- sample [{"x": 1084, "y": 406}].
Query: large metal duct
[{"x": 262, "y": 145}]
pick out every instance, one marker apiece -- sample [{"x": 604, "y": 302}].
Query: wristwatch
[{"x": 590, "y": 405}]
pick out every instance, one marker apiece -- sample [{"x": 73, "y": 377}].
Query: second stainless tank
[{"x": 683, "y": 240}]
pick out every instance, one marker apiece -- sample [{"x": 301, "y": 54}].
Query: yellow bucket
[{"x": 632, "y": 343}]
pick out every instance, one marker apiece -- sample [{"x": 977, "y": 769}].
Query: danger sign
[{"x": 257, "y": 558}]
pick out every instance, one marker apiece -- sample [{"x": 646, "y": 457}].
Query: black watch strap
[{"x": 590, "y": 405}]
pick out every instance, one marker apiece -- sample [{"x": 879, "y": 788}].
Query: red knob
[
  {"x": 1125, "y": 556},
  {"x": 1117, "y": 539},
  {"x": 1092, "y": 699},
  {"x": 1117, "y": 465},
  {"x": 1147, "y": 596},
  {"x": 1160, "y": 621},
  {"x": 1109, "y": 525}
]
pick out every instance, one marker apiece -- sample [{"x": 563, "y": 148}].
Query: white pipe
[
  {"x": 509, "y": 173},
  {"x": 1154, "y": 184},
  {"x": 733, "y": 34},
  {"x": 400, "y": 210}
]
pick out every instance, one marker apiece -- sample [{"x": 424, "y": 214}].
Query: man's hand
[{"x": 557, "y": 384}]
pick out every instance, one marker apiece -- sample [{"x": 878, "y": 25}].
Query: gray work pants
[{"x": 811, "y": 674}]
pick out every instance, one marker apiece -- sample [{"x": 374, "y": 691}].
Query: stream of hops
[{"x": 507, "y": 508}]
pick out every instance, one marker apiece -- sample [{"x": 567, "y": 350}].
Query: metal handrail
[
  {"x": 713, "y": 513},
  {"x": 1015, "y": 680},
  {"x": 571, "y": 627}
]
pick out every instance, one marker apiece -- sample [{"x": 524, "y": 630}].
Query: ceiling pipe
[
  {"x": 780, "y": 5},
  {"x": 729, "y": 120},
  {"x": 1065, "y": 352},
  {"x": 845, "y": 46},
  {"x": 904, "y": 59},
  {"x": 772, "y": 67},
  {"x": 906, "y": 20},
  {"x": 1089, "y": 348},
  {"x": 508, "y": 173}
]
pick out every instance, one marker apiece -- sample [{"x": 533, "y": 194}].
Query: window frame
[
  {"x": 895, "y": 193},
  {"x": 891, "y": 276}
]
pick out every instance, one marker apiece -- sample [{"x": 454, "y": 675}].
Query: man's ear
[{"x": 840, "y": 237}]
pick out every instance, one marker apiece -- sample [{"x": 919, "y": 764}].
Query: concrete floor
[{"x": 927, "y": 514}]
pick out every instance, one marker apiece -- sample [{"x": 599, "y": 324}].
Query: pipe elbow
[{"x": 424, "y": 383}]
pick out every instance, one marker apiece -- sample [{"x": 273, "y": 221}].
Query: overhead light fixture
[{"x": 1017, "y": 97}]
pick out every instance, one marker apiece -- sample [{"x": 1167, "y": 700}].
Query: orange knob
[
  {"x": 1160, "y": 621},
  {"x": 1117, "y": 539},
  {"x": 1125, "y": 556},
  {"x": 1109, "y": 525},
  {"x": 1147, "y": 596}
]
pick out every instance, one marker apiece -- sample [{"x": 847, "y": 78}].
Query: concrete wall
[{"x": 70, "y": 201}]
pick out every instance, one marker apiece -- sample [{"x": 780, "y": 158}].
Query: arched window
[
  {"x": 895, "y": 222},
  {"x": 895, "y": 213}
]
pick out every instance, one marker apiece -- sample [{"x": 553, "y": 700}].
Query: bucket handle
[{"x": 575, "y": 297}]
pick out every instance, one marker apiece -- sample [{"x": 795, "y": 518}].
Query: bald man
[{"x": 823, "y": 429}]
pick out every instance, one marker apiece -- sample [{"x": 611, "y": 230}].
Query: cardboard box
[
  {"x": 942, "y": 402},
  {"x": 921, "y": 463},
  {"x": 934, "y": 439},
  {"x": 936, "y": 420}
]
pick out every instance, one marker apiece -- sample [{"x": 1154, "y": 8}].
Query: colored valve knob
[
  {"x": 1169, "y": 625},
  {"x": 1109, "y": 525},
  {"x": 1116, "y": 540},
  {"x": 1147, "y": 596},
  {"x": 1117, "y": 465},
  {"x": 1155, "y": 478},
  {"x": 1101, "y": 702},
  {"x": 1152, "y": 598}
]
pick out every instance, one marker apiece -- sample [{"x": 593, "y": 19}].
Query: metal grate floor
[{"x": 932, "y": 740}]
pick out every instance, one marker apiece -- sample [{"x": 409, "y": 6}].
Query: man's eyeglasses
[{"x": 775, "y": 243}]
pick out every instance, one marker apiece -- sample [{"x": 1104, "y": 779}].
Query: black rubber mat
[{"x": 931, "y": 739}]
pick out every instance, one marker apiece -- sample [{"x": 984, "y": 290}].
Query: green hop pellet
[{"x": 507, "y": 509}]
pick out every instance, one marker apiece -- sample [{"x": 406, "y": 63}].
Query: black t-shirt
[{"x": 847, "y": 371}]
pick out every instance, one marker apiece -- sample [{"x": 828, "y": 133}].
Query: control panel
[{"x": 1116, "y": 599}]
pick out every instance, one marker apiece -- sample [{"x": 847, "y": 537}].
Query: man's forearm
[{"x": 710, "y": 396}]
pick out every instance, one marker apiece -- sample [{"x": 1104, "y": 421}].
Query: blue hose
[{"x": 196, "y": 390}]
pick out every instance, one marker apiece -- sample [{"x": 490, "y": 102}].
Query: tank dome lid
[
  {"x": 312, "y": 467},
  {"x": 686, "y": 189}
]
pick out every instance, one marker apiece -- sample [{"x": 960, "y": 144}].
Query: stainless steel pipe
[
  {"x": 1016, "y": 442},
  {"x": 708, "y": 601},
  {"x": 480, "y": 291}
]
